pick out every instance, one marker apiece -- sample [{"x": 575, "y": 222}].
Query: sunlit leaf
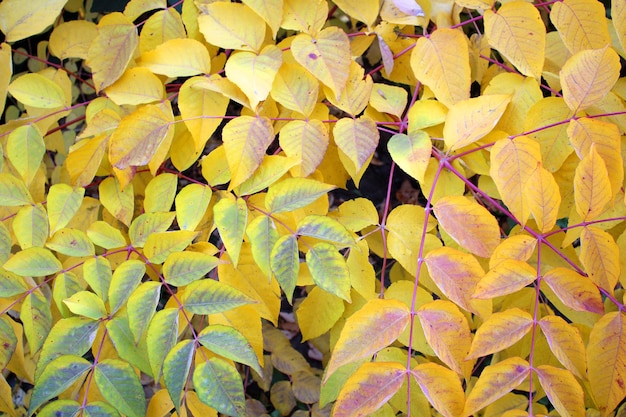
[
  {"x": 177, "y": 58},
  {"x": 160, "y": 338},
  {"x": 37, "y": 319},
  {"x": 507, "y": 277},
  {"x": 544, "y": 198},
  {"x": 592, "y": 188},
  {"x": 182, "y": 268},
  {"x": 62, "y": 204},
  {"x": 306, "y": 141},
  {"x": 231, "y": 218},
  {"x": 295, "y": 88},
  {"x": 411, "y": 152},
  {"x": 21, "y": 20},
  {"x": 499, "y": 331},
  {"x": 285, "y": 263},
  {"x": 325, "y": 228},
  {"x": 30, "y": 226},
  {"x": 319, "y": 311},
  {"x": 159, "y": 246},
  {"x": 176, "y": 368},
  {"x": 329, "y": 270},
  {"x": 136, "y": 86},
  {"x": 13, "y": 192},
  {"x": 221, "y": 24},
  {"x": 124, "y": 280},
  {"x": 25, "y": 149},
  {"x": 33, "y": 262},
  {"x": 581, "y": 24},
  {"x": 87, "y": 304},
  {"x": 141, "y": 307}
]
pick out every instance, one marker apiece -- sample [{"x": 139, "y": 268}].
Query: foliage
[{"x": 169, "y": 174}]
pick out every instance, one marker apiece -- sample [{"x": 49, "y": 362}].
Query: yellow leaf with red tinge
[
  {"x": 599, "y": 255},
  {"x": 469, "y": 224},
  {"x": 592, "y": 188},
  {"x": 544, "y": 198},
  {"x": 588, "y": 76},
  {"x": 517, "y": 32},
  {"x": 369, "y": 388},
  {"x": 376, "y": 325},
  {"x": 442, "y": 387},
  {"x": 581, "y": 24},
  {"x": 447, "y": 332},
  {"x": 505, "y": 278},
  {"x": 563, "y": 390},
  {"x": 495, "y": 381},
  {"x": 500, "y": 331},
  {"x": 574, "y": 290},
  {"x": 513, "y": 162},
  {"x": 566, "y": 343},
  {"x": 411, "y": 152},
  {"x": 441, "y": 61},
  {"x": 470, "y": 120},
  {"x": 606, "y": 360}
]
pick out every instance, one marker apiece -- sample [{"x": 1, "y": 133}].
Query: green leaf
[
  {"x": 13, "y": 192},
  {"x": 262, "y": 235},
  {"x": 329, "y": 270},
  {"x": 231, "y": 344},
  {"x": 72, "y": 336},
  {"x": 191, "y": 204},
  {"x": 33, "y": 262},
  {"x": 60, "y": 408},
  {"x": 159, "y": 245},
  {"x": 71, "y": 242},
  {"x": 325, "y": 228},
  {"x": 160, "y": 193},
  {"x": 161, "y": 337},
  {"x": 66, "y": 284},
  {"x": 176, "y": 368},
  {"x": 208, "y": 296},
  {"x": 100, "y": 409},
  {"x": 219, "y": 385},
  {"x": 87, "y": 304},
  {"x": 141, "y": 307},
  {"x": 11, "y": 284},
  {"x": 30, "y": 226},
  {"x": 105, "y": 235},
  {"x": 294, "y": 193},
  {"x": 285, "y": 264},
  {"x": 63, "y": 203},
  {"x": 231, "y": 217},
  {"x": 8, "y": 341},
  {"x": 146, "y": 224},
  {"x": 134, "y": 353},
  {"x": 97, "y": 272},
  {"x": 120, "y": 386},
  {"x": 182, "y": 268},
  {"x": 5, "y": 243},
  {"x": 58, "y": 376},
  {"x": 125, "y": 279}
]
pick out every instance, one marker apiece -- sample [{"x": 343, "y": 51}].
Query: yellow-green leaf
[
  {"x": 376, "y": 325},
  {"x": 6, "y": 71},
  {"x": 97, "y": 272},
  {"x": 119, "y": 202},
  {"x": 182, "y": 268},
  {"x": 469, "y": 224},
  {"x": 581, "y": 24},
  {"x": 207, "y": 296},
  {"x": 271, "y": 170},
  {"x": 30, "y": 226},
  {"x": 159, "y": 245},
  {"x": 219, "y": 385},
  {"x": 563, "y": 390},
  {"x": 21, "y": 20},
  {"x": 191, "y": 204},
  {"x": 37, "y": 90},
  {"x": 86, "y": 304},
  {"x": 499, "y": 331},
  {"x": 262, "y": 235},
  {"x": 176, "y": 368},
  {"x": 33, "y": 262},
  {"x": 329, "y": 270},
  {"x": 357, "y": 139},
  {"x": 125, "y": 279},
  {"x": 221, "y": 24},
  {"x": 388, "y": 99},
  {"x": 63, "y": 203},
  {"x": 120, "y": 387},
  {"x": 71, "y": 242},
  {"x": 71, "y": 39},
  {"x": 105, "y": 235},
  {"x": 441, "y": 61},
  {"x": 231, "y": 218},
  {"x": 471, "y": 119},
  {"x": 588, "y": 76},
  {"x": 229, "y": 343},
  {"x": 518, "y": 33},
  {"x": 325, "y": 228},
  {"x": 294, "y": 193},
  {"x": 369, "y": 388},
  {"x": 411, "y": 152},
  {"x": 13, "y": 192},
  {"x": 25, "y": 149},
  {"x": 37, "y": 319},
  {"x": 141, "y": 307},
  {"x": 160, "y": 193},
  {"x": 285, "y": 263},
  {"x": 161, "y": 337}
]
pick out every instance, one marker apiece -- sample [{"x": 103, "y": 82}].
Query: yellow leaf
[
  {"x": 112, "y": 50},
  {"x": 270, "y": 10},
  {"x": 159, "y": 245},
  {"x": 566, "y": 343},
  {"x": 495, "y": 381},
  {"x": 442, "y": 387},
  {"x": 38, "y": 91},
  {"x": 139, "y": 135},
  {"x": 306, "y": 141},
  {"x": 592, "y": 188},
  {"x": 456, "y": 274},
  {"x": 83, "y": 162},
  {"x": 13, "y": 192},
  {"x": 388, "y": 99},
  {"x": 231, "y": 218},
  {"x": 19, "y": 20},
  {"x": 160, "y": 192},
  {"x": 600, "y": 256},
  {"x": 119, "y": 202},
  {"x": 563, "y": 390},
  {"x": 618, "y": 14},
  {"x": 25, "y": 149},
  {"x": 30, "y": 227},
  {"x": 295, "y": 88},
  {"x": 357, "y": 139},
  {"x": 135, "y": 8},
  {"x": 319, "y": 311},
  {"x": 136, "y": 86},
  {"x": 447, "y": 332},
  {"x": 72, "y": 39},
  {"x": 411, "y": 152},
  {"x": 606, "y": 359},
  {"x": 513, "y": 162},
  {"x": 518, "y": 33},
  {"x": 588, "y": 76},
  {"x": 581, "y": 24},
  {"x": 326, "y": 56},
  {"x": 6, "y": 71},
  {"x": 245, "y": 140},
  {"x": 86, "y": 304},
  {"x": 164, "y": 25},
  {"x": 191, "y": 204},
  {"x": 441, "y": 61},
  {"x": 63, "y": 203},
  {"x": 178, "y": 58},
  {"x": 575, "y": 291},
  {"x": 520, "y": 247},
  {"x": 607, "y": 140},
  {"x": 469, "y": 120},
  {"x": 369, "y": 388},
  {"x": 221, "y": 24},
  {"x": 355, "y": 96},
  {"x": 505, "y": 278},
  {"x": 254, "y": 74},
  {"x": 215, "y": 167},
  {"x": 500, "y": 331},
  {"x": 469, "y": 224},
  {"x": 365, "y": 12},
  {"x": 544, "y": 198},
  {"x": 373, "y": 327},
  {"x": 304, "y": 15}
]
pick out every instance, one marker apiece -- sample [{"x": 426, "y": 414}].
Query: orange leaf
[
  {"x": 505, "y": 278},
  {"x": 469, "y": 224},
  {"x": 600, "y": 256},
  {"x": 592, "y": 188},
  {"x": 566, "y": 343},
  {"x": 376, "y": 325},
  {"x": 442, "y": 387},
  {"x": 563, "y": 390},
  {"x": 441, "y": 61},
  {"x": 495, "y": 381},
  {"x": 574, "y": 290},
  {"x": 500, "y": 331},
  {"x": 606, "y": 359},
  {"x": 369, "y": 388}
]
